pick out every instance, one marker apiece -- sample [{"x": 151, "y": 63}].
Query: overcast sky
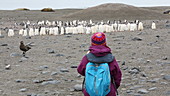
[{"x": 60, "y": 4}]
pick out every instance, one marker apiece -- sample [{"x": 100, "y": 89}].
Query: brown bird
[{"x": 24, "y": 48}]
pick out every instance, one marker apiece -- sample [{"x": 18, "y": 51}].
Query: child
[{"x": 99, "y": 49}]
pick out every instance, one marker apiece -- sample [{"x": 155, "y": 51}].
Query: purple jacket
[{"x": 113, "y": 65}]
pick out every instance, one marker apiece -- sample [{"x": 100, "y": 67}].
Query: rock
[
  {"x": 74, "y": 66},
  {"x": 82, "y": 45},
  {"x": 58, "y": 55},
  {"x": 155, "y": 80},
  {"x": 19, "y": 81},
  {"x": 37, "y": 81},
  {"x": 15, "y": 55},
  {"x": 64, "y": 70},
  {"x": 44, "y": 67},
  {"x": 166, "y": 77},
  {"x": 1, "y": 91},
  {"x": 124, "y": 67},
  {"x": 167, "y": 26},
  {"x": 143, "y": 74},
  {"x": 4, "y": 45},
  {"x": 137, "y": 94},
  {"x": 53, "y": 82},
  {"x": 134, "y": 70},
  {"x": 45, "y": 72},
  {"x": 23, "y": 59},
  {"x": 164, "y": 83},
  {"x": 137, "y": 39},
  {"x": 142, "y": 91},
  {"x": 164, "y": 58},
  {"x": 28, "y": 37},
  {"x": 153, "y": 88},
  {"x": 157, "y": 36},
  {"x": 167, "y": 93},
  {"x": 2, "y": 36},
  {"x": 148, "y": 61},
  {"x": 123, "y": 63},
  {"x": 135, "y": 87},
  {"x": 77, "y": 38},
  {"x": 123, "y": 89},
  {"x": 23, "y": 90},
  {"x": 78, "y": 87},
  {"x": 50, "y": 51},
  {"x": 32, "y": 94},
  {"x": 165, "y": 63},
  {"x": 8, "y": 67},
  {"x": 1, "y": 51},
  {"x": 68, "y": 36},
  {"x": 54, "y": 73},
  {"x": 71, "y": 90},
  {"x": 129, "y": 91}
]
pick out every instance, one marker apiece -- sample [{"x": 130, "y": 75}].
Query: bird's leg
[{"x": 24, "y": 54}]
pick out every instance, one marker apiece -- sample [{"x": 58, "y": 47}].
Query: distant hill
[
  {"x": 116, "y": 11},
  {"x": 159, "y": 9}
]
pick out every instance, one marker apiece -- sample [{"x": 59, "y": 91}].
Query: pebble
[
  {"x": 58, "y": 55},
  {"x": 64, "y": 70},
  {"x": 137, "y": 39},
  {"x": 54, "y": 73},
  {"x": 73, "y": 66},
  {"x": 137, "y": 95},
  {"x": 23, "y": 59},
  {"x": 1, "y": 36},
  {"x": 4, "y": 45},
  {"x": 1, "y": 91},
  {"x": 50, "y": 51},
  {"x": 23, "y": 90},
  {"x": 82, "y": 45},
  {"x": 134, "y": 70},
  {"x": 54, "y": 82},
  {"x": 123, "y": 63},
  {"x": 129, "y": 91},
  {"x": 166, "y": 77},
  {"x": 154, "y": 80},
  {"x": 78, "y": 87},
  {"x": 142, "y": 91},
  {"x": 45, "y": 72},
  {"x": 123, "y": 89},
  {"x": 15, "y": 55},
  {"x": 163, "y": 83},
  {"x": 153, "y": 88},
  {"x": 8, "y": 67},
  {"x": 44, "y": 67},
  {"x": 32, "y": 94},
  {"x": 19, "y": 81},
  {"x": 37, "y": 81},
  {"x": 68, "y": 36},
  {"x": 143, "y": 74},
  {"x": 28, "y": 37},
  {"x": 135, "y": 87},
  {"x": 167, "y": 93}
]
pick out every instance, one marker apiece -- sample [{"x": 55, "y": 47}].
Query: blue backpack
[{"x": 97, "y": 79}]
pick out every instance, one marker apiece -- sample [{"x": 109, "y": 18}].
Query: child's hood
[{"x": 100, "y": 50}]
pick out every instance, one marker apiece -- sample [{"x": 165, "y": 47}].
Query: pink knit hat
[{"x": 98, "y": 38}]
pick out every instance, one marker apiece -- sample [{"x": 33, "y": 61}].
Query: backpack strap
[{"x": 113, "y": 81}]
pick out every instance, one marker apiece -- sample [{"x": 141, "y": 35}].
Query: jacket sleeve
[
  {"x": 115, "y": 72},
  {"x": 82, "y": 66}
]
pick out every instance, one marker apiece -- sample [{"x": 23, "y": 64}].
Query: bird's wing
[
  {"x": 27, "y": 47},
  {"x": 30, "y": 44}
]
